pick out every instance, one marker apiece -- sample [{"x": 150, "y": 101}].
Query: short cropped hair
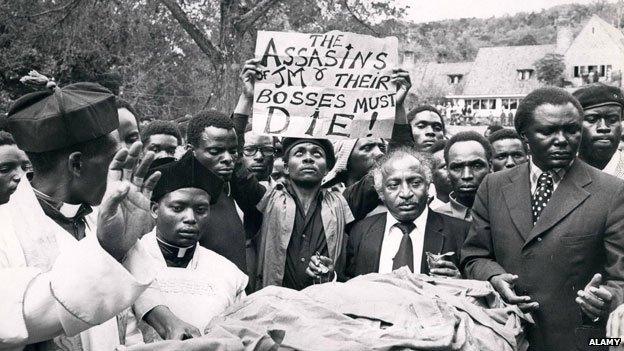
[
  {"x": 506, "y": 134},
  {"x": 203, "y": 120},
  {"x": 425, "y": 160},
  {"x": 538, "y": 97},
  {"x": 437, "y": 146},
  {"x": 493, "y": 128},
  {"x": 468, "y": 136},
  {"x": 161, "y": 127},
  {"x": 6, "y": 138},
  {"x": 412, "y": 114},
  {"x": 44, "y": 162},
  {"x": 121, "y": 103}
]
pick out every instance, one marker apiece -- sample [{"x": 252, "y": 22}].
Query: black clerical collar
[{"x": 176, "y": 256}]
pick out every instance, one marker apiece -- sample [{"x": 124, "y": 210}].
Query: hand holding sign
[
  {"x": 249, "y": 74},
  {"x": 334, "y": 85},
  {"x": 402, "y": 79}
]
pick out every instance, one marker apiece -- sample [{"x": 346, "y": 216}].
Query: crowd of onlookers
[{"x": 116, "y": 231}]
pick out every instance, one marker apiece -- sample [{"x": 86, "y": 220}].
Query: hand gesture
[
  {"x": 249, "y": 74},
  {"x": 444, "y": 268},
  {"x": 124, "y": 213},
  {"x": 504, "y": 284},
  {"x": 402, "y": 79},
  {"x": 595, "y": 299},
  {"x": 321, "y": 268}
]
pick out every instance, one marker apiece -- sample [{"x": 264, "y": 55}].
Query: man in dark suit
[
  {"x": 402, "y": 236},
  {"x": 549, "y": 234}
]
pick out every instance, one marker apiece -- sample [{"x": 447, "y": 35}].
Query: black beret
[
  {"x": 186, "y": 172},
  {"x": 599, "y": 94},
  {"x": 61, "y": 117},
  {"x": 289, "y": 143}
]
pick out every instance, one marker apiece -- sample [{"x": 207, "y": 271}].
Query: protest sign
[{"x": 334, "y": 85}]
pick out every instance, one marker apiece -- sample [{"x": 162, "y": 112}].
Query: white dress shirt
[
  {"x": 392, "y": 241},
  {"x": 535, "y": 172},
  {"x": 611, "y": 167}
]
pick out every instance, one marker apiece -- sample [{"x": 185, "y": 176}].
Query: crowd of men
[{"x": 114, "y": 233}]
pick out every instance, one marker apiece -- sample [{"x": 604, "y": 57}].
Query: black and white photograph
[{"x": 311, "y": 175}]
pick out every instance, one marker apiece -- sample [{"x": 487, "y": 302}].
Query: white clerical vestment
[
  {"x": 205, "y": 288},
  {"x": 55, "y": 288}
]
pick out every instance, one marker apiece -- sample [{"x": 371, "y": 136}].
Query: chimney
[
  {"x": 564, "y": 36},
  {"x": 408, "y": 58}
]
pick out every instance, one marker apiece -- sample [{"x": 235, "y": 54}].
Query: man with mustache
[
  {"x": 547, "y": 234},
  {"x": 197, "y": 283},
  {"x": 602, "y": 127},
  {"x": 354, "y": 159},
  {"x": 427, "y": 126},
  {"x": 508, "y": 149},
  {"x": 467, "y": 156},
  {"x": 409, "y": 230}
]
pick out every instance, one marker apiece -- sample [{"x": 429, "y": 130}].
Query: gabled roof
[
  {"x": 613, "y": 33},
  {"x": 495, "y": 70},
  {"x": 428, "y": 74}
]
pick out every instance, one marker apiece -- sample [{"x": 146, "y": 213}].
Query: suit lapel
[
  {"x": 434, "y": 239},
  {"x": 370, "y": 246},
  {"x": 517, "y": 196},
  {"x": 568, "y": 195}
]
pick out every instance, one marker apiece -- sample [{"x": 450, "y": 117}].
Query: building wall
[{"x": 593, "y": 47}]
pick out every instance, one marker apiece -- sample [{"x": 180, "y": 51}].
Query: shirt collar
[
  {"x": 611, "y": 167},
  {"x": 459, "y": 208},
  {"x": 420, "y": 222},
  {"x": 65, "y": 209},
  {"x": 556, "y": 173}
]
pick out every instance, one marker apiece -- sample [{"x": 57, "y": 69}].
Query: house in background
[{"x": 500, "y": 77}]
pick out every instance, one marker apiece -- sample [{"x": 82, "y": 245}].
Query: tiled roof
[
  {"x": 495, "y": 70},
  {"x": 426, "y": 74}
]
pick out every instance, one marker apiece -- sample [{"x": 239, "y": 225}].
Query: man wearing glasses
[{"x": 258, "y": 155}]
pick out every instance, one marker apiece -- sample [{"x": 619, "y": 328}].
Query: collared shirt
[
  {"x": 557, "y": 175},
  {"x": 67, "y": 216},
  {"x": 307, "y": 238},
  {"x": 392, "y": 241},
  {"x": 611, "y": 167},
  {"x": 455, "y": 209}
]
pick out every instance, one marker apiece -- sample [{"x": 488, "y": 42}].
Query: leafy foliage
[{"x": 550, "y": 69}]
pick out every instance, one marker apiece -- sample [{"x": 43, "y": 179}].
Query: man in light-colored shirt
[{"x": 468, "y": 156}]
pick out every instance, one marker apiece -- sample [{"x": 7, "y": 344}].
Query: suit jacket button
[{"x": 539, "y": 239}]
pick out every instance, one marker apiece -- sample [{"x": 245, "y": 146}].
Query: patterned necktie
[
  {"x": 545, "y": 186},
  {"x": 405, "y": 255}
]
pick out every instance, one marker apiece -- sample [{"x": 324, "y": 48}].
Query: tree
[
  {"x": 232, "y": 40},
  {"x": 550, "y": 69}
]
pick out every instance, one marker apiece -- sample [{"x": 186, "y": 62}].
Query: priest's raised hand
[{"x": 124, "y": 213}]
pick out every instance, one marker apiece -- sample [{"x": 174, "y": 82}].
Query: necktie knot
[
  {"x": 406, "y": 227},
  {"x": 545, "y": 179}
]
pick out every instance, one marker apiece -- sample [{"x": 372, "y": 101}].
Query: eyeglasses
[{"x": 265, "y": 150}]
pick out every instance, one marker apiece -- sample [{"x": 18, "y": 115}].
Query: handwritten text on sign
[{"x": 334, "y": 85}]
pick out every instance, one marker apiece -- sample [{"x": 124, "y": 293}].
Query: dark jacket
[
  {"x": 442, "y": 234},
  {"x": 578, "y": 234}
]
